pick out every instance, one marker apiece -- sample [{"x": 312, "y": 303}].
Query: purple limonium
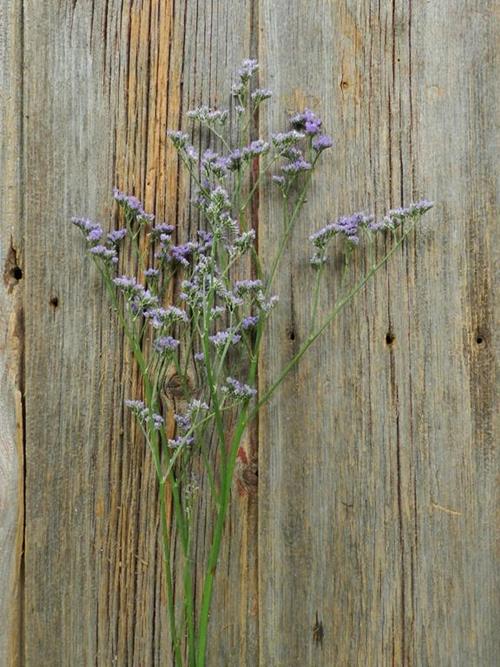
[
  {"x": 296, "y": 167},
  {"x": 266, "y": 305},
  {"x": 199, "y": 356},
  {"x": 195, "y": 405},
  {"x": 117, "y": 235},
  {"x": 183, "y": 422},
  {"x": 255, "y": 148},
  {"x": 129, "y": 201},
  {"x": 207, "y": 115},
  {"x": 306, "y": 121},
  {"x": 237, "y": 389},
  {"x": 85, "y": 224},
  {"x": 261, "y": 94},
  {"x": 420, "y": 207},
  {"x": 245, "y": 240},
  {"x": 136, "y": 406},
  {"x": 284, "y": 140},
  {"x": 165, "y": 344},
  {"x": 222, "y": 337},
  {"x": 95, "y": 234},
  {"x": 151, "y": 273},
  {"x": 182, "y": 253},
  {"x": 322, "y": 141},
  {"x": 162, "y": 229},
  {"x": 107, "y": 254},
  {"x": 157, "y": 421},
  {"x": 234, "y": 159},
  {"x": 249, "y": 322},
  {"x": 247, "y": 69},
  {"x": 180, "y": 441},
  {"x": 179, "y": 139},
  {"x": 215, "y": 164},
  {"x": 129, "y": 285},
  {"x": 206, "y": 240},
  {"x": 132, "y": 206},
  {"x": 191, "y": 153},
  {"x": 247, "y": 286}
]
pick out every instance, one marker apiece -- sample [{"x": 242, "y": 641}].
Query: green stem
[
  {"x": 168, "y": 575},
  {"x": 332, "y": 315}
]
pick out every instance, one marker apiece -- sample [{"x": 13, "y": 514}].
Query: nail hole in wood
[
  {"x": 291, "y": 334},
  {"x": 479, "y": 339},
  {"x": 16, "y": 272},
  {"x": 344, "y": 84},
  {"x": 54, "y": 301},
  {"x": 390, "y": 338}
]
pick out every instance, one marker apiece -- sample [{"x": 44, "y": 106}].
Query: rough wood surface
[
  {"x": 371, "y": 540},
  {"x": 11, "y": 337},
  {"x": 377, "y": 495}
]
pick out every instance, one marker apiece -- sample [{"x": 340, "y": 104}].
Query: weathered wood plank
[
  {"x": 376, "y": 476},
  {"x": 113, "y": 76},
  {"x": 376, "y": 500},
  {"x": 11, "y": 335}
]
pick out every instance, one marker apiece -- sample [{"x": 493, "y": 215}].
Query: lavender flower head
[
  {"x": 238, "y": 390},
  {"x": 117, "y": 235},
  {"x": 322, "y": 141},
  {"x": 165, "y": 344},
  {"x": 221, "y": 338},
  {"x": 247, "y": 69},
  {"x": 249, "y": 322},
  {"x": 306, "y": 121},
  {"x": 107, "y": 254},
  {"x": 261, "y": 94}
]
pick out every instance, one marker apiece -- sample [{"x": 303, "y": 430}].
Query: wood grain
[
  {"x": 97, "y": 109},
  {"x": 377, "y": 496},
  {"x": 11, "y": 337},
  {"x": 371, "y": 540}
]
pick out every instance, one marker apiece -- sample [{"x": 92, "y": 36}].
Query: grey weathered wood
[
  {"x": 113, "y": 76},
  {"x": 376, "y": 498},
  {"x": 11, "y": 336}
]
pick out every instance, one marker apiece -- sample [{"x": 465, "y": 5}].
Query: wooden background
[{"x": 375, "y": 507}]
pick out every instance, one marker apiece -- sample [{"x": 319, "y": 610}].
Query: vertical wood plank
[
  {"x": 113, "y": 77},
  {"x": 11, "y": 334},
  {"x": 376, "y": 458}
]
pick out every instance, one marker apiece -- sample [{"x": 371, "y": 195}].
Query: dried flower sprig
[{"x": 215, "y": 329}]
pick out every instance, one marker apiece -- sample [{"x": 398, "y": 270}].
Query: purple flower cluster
[
  {"x": 247, "y": 286},
  {"x": 93, "y": 233},
  {"x": 132, "y": 207},
  {"x": 249, "y": 322},
  {"x": 238, "y": 390},
  {"x": 286, "y": 144},
  {"x": 397, "y": 216},
  {"x": 208, "y": 116},
  {"x": 322, "y": 141},
  {"x": 247, "y": 69},
  {"x": 181, "y": 254},
  {"x": 165, "y": 344},
  {"x": 295, "y": 167},
  {"x": 255, "y": 149},
  {"x": 222, "y": 338},
  {"x": 162, "y": 318},
  {"x": 117, "y": 235},
  {"x": 144, "y": 414},
  {"x": 306, "y": 121},
  {"x": 350, "y": 227},
  {"x": 261, "y": 94}
]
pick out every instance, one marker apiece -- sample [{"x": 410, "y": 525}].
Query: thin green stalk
[
  {"x": 168, "y": 576},
  {"x": 332, "y": 315}
]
